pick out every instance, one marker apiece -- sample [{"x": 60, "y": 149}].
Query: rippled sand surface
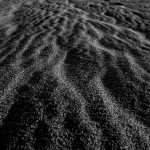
[{"x": 74, "y": 75}]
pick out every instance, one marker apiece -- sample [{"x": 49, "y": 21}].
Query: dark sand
[{"x": 75, "y": 75}]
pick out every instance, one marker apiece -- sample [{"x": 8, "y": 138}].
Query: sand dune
[{"x": 74, "y": 75}]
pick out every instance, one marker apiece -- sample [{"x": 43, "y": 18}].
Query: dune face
[{"x": 74, "y": 75}]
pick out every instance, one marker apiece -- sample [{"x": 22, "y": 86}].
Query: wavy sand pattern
[{"x": 74, "y": 75}]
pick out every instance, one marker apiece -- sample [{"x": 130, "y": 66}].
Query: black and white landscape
[{"x": 74, "y": 75}]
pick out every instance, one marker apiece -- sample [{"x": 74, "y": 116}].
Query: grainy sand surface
[{"x": 74, "y": 75}]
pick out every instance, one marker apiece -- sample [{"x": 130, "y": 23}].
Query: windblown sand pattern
[{"x": 74, "y": 75}]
